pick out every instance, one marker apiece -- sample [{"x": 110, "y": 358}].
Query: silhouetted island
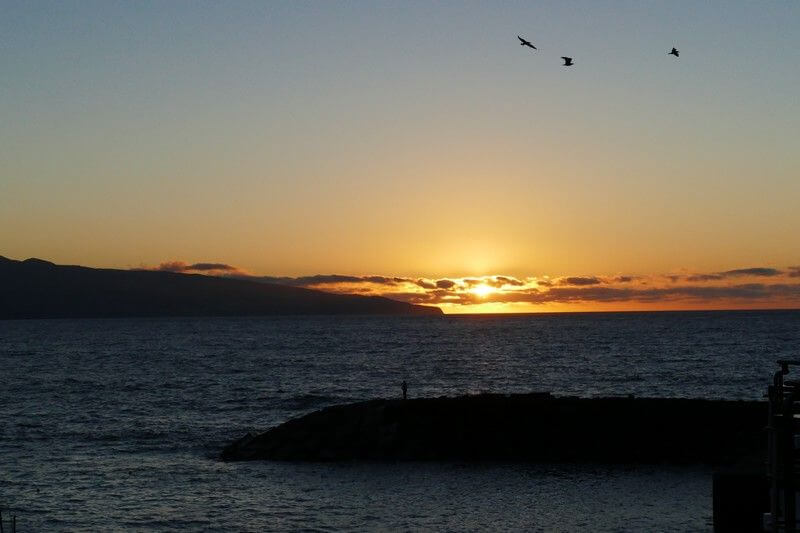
[
  {"x": 39, "y": 289},
  {"x": 518, "y": 427}
]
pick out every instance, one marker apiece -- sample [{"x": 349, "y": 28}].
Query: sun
[{"x": 482, "y": 290}]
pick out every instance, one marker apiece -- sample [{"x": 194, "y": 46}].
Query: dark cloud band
[
  {"x": 180, "y": 266},
  {"x": 507, "y": 289}
]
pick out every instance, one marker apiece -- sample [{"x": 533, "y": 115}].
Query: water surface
[{"x": 116, "y": 424}]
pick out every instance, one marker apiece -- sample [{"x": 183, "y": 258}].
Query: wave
[{"x": 310, "y": 401}]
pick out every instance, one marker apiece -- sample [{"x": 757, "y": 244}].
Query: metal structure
[
  {"x": 13, "y": 522},
  {"x": 784, "y": 450}
]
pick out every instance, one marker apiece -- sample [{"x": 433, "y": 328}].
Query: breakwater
[{"x": 534, "y": 427}]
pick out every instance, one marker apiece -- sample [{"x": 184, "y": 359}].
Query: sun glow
[{"x": 482, "y": 290}]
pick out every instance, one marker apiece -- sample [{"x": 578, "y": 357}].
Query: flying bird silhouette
[
  {"x": 523, "y": 42},
  {"x": 674, "y": 52},
  {"x": 567, "y": 61}
]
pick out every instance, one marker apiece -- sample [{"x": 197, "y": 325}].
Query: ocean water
[{"x": 116, "y": 424}]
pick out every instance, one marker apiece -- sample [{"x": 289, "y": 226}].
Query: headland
[{"x": 40, "y": 289}]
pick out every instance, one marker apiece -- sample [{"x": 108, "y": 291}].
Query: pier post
[
  {"x": 782, "y": 455},
  {"x": 740, "y": 497}
]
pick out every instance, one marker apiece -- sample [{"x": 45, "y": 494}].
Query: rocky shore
[{"x": 534, "y": 427}]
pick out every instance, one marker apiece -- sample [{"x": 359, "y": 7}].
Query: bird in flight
[
  {"x": 567, "y": 61},
  {"x": 674, "y": 52},
  {"x": 523, "y": 42}
]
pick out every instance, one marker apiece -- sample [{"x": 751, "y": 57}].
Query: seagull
[
  {"x": 674, "y": 52},
  {"x": 567, "y": 61},
  {"x": 523, "y": 42}
]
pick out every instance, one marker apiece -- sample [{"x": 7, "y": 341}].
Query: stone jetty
[{"x": 536, "y": 427}]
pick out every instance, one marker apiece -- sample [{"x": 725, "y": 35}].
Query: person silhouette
[{"x": 404, "y": 386}]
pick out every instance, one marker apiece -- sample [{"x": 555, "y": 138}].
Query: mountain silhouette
[{"x": 34, "y": 288}]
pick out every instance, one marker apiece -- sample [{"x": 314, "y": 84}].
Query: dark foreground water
[{"x": 116, "y": 424}]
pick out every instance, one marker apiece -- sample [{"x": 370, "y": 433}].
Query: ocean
[{"x": 117, "y": 424}]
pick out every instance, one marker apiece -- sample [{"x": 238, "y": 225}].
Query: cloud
[
  {"x": 425, "y": 284},
  {"x": 172, "y": 266},
  {"x": 748, "y": 292},
  {"x": 759, "y": 271},
  {"x": 764, "y": 272},
  {"x": 701, "y": 288},
  {"x": 322, "y": 279},
  {"x": 211, "y": 266},
  {"x": 743, "y": 292},
  {"x": 382, "y": 280},
  {"x": 580, "y": 280},
  {"x": 305, "y": 281},
  {"x": 180, "y": 266},
  {"x": 704, "y": 277},
  {"x": 500, "y": 281}
]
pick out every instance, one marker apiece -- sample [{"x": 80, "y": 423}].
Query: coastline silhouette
[{"x": 41, "y": 289}]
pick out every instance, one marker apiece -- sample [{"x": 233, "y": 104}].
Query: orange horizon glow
[
  {"x": 512, "y": 309},
  {"x": 753, "y": 288},
  {"x": 765, "y": 287}
]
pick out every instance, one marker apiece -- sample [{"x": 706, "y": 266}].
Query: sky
[{"x": 415, "y": 141}]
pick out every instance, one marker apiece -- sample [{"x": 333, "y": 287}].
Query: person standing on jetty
[{"x": 404, "y": 386}]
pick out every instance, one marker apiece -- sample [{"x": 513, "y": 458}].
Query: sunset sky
[{"x": 413, "y": 149}]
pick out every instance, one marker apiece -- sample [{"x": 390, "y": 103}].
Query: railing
[
  {"x": 783, "y": 458},
  {"x": 13, "y": 522}
]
